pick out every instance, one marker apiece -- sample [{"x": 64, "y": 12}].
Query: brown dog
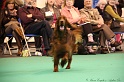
[{"x": 63, "y": 43}]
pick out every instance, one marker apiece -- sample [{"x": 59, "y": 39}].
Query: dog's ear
[
  {"x": 57, "y": 23},
  {"x": 69, "y": 25}
]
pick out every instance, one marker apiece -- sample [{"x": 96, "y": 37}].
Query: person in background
[
  {"x": 51, "y": 12},
  {"x": 2, "y": 29},
  {"x": 100, "y": 6},
  {"x": 120, "y": 5},
  {"x": 59, "y": 4},
  {"x": 73, "y": 16},
  {"x": 33, "y": 23},
  {"x": 92, "y": 15},
  {"x": 110, "y": 14},
  {"x": 11, "y": 24},
  {"x": 18, "y": 3},
  {"x": 71, "y": 13}
]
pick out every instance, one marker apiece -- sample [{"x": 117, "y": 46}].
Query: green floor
[{"x": 84, "y": 68}]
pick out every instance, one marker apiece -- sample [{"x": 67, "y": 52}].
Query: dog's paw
[
  {"x": 68, "y": 67},
  {"x": 55, "y": 70}
]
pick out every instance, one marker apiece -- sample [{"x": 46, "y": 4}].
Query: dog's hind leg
[
  {"x": 56, "y": 62},
  {"x": 69, "y": 63}
]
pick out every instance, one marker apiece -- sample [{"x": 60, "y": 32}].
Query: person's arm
[
  {"x": 64, "y": 13},
  {"x": 110, "y": 11},
  {"x": 100, "y": 19},
  {"x": 6, "y": 17},
  {"x": 23, "y": 16},
  {"x": 87, "y": 17},
  {"x": 38, "y": 14}
]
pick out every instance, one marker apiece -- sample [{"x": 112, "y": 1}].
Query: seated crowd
[{"x": 42, "y": 21}]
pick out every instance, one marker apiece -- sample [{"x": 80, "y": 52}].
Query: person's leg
[
  {"x": 88, "y": 36},
  {"x": 107, "y": 32},
  {"x": 1, "y": 45},
  {"x": 102, "y": 39},
  {"x": 45, "y": 38},
  {"x": 18, "y": 41},
  {"x": 87, "y": 32},
  {"x": 121, "y": 29},
  {"x": 10, "y": 42},
  {"x": 11, "y": 30},
  {"x": 35, "y": 28},
  {"x": 41, "y": 28},
  {"x": 118, "y": 37},
  {"x": 38, "y": 43},
  {"x": 2, "y": 37}
]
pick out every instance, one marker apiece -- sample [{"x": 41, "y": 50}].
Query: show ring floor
[{"x": 84, "y": 68}]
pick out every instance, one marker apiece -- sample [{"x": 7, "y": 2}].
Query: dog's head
[{"x": 62, "y": 23}]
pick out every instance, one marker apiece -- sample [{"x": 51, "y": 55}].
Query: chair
[{"x": 26, "y": 40}]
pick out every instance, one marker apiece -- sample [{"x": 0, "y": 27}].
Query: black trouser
[
  {"x": 87, "y": 28},
  {"x": 40, "y": 28}
]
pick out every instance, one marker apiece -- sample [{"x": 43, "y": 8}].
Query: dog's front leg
[{"x": 56, "y": 62}]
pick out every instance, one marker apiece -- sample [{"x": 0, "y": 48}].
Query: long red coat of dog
[{"x": 63, "y": 43}]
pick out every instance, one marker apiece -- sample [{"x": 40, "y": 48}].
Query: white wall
[{"x": 41, "y": 3}]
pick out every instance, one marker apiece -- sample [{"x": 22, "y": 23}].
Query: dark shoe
[
  {"x": 104, "y": 50},
  {"x": 92, "y": 43},
  {"x": 115, "y": 44},
  {"x": 19, "y": 52},
  {"x": 92, "y": 53},
  {"x": 118, "y": 49},
  {"x": 1, "y": 52}
]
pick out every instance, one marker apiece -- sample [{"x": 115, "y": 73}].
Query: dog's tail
[{"x": 64, "y": 60}]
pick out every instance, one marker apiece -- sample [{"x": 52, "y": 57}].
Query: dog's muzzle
[
  {"x": 61, "y": 25},
  {"x": 61, "y": 28}
]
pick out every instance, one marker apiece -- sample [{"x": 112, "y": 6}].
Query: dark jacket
[
  {"x": 120, "y": 6},
  {"x": 2, "y": 29},
  {"x": 79, "y": 4},
  {"x": 100, "y": 11},
  {"x": 24, "y": 11}
]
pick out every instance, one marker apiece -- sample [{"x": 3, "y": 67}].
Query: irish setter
[{"x": 63, "y": 43}]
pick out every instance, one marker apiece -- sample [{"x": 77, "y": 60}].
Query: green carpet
[{"x": 84, "y": 68}]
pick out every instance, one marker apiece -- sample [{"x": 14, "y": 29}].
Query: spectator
[
  {"x": 92, "y": 15},
  {"x": 110, "y": 13},
  {"x": 71, "y": 13},
  {"x": 51, "y": 12},
  {"x": 33, "y": 23},
  {"x": 120, "y": 5},
  {"x": 12, "y": 25},
  {"x": 73, "y": 16},
  {"x": 100, "y": 6},
  {"x": 18, "y": 3},
  {"x": 59, "y": 4},
  {"x": 2, "y": 30}
]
